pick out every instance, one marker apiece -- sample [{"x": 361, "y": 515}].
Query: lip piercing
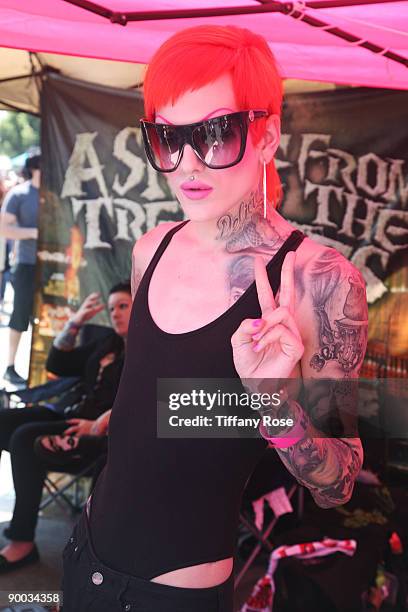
[{"x": 192, "y": 178}]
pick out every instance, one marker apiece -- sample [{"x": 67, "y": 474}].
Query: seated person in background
[
  {"x": 100, "y": 365},
  {"x": 76, "y": 449},
  {"x": 84, "y": 439}
]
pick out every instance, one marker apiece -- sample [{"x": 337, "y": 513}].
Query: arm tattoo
[
  {"x": 332, "y": 405},
  {"x": 65, "y": 341},
  {"x": 326, "y": 466},
  {"x": 344, "y": 339}
]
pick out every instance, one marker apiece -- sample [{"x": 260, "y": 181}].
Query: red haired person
[{"x": 232, "y": 292}]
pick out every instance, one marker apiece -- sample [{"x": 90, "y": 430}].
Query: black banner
[{"x": 344, "y": 161}]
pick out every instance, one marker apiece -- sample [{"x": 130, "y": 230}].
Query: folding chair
[
  {"x": 94, "y": 451},
  {"x": 57, "y": 488},
  {"x": 57, "y": 492},
  {"x": 270, "y": 474}
]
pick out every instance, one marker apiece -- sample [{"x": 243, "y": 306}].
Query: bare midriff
[{"x": 198, "y": 576}]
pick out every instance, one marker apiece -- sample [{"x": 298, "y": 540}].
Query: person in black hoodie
[{"x": 78, "y": 411}]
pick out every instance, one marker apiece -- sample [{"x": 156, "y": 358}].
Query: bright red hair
[{"x": 195, "y": 57}]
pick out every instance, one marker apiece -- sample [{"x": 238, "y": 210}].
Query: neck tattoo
[{"x": 231, "y": 223}]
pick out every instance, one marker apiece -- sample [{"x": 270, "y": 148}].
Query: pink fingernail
[
  {"x": 256, "y": 346},
  {"x": 257, "y": 322},
  {"x": 256, "y": 336}
]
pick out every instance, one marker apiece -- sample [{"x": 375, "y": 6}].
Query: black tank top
[{"x": 162, "y": 504}]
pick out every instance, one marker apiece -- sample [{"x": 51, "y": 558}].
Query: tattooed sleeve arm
[{"x": 335, "y": 338}]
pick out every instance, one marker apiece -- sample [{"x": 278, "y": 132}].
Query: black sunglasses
[{"x": 218, "y": 142}]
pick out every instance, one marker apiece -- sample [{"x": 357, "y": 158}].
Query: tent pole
[
  {"x": 300, "y": 15},
  {"x": 19, "y": 110},
  {"x": 123, "y": 18},
  {"x": 324, "y": 4},
  {"x": 17, "y": 78},
  {"x": 291, "y": 9},
  {"x": 344, "y": 3},
  {"x": 92, "y": 7}
]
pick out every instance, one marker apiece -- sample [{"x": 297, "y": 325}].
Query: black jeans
[
  {"x": 19, "y": 427},
  {"x": 88, "y": 585}
]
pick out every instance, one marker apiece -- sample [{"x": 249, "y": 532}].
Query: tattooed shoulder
[
  {"x": 255, "y": 237},
  {"x": 240, "y": 271}
]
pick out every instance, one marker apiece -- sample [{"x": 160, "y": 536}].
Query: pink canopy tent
[{"x": 357, "y": 42}]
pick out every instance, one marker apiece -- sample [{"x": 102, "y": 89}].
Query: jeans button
[
  {"x": 76, "y": 548},
  {"x": 97, "y": 578},
  {"x": 127, "y": 607}
]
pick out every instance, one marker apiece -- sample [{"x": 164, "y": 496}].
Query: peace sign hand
[{"x": 269, "y": 347}]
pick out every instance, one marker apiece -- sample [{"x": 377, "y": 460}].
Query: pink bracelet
[{"x": 297, "y": 433}]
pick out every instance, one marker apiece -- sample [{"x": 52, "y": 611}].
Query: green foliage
[{"x": 18, "y": 132}]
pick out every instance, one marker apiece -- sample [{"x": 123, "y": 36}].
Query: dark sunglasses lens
[
  {"x": 219, "y": 140},
  {"x": 164, "y": 144}
]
